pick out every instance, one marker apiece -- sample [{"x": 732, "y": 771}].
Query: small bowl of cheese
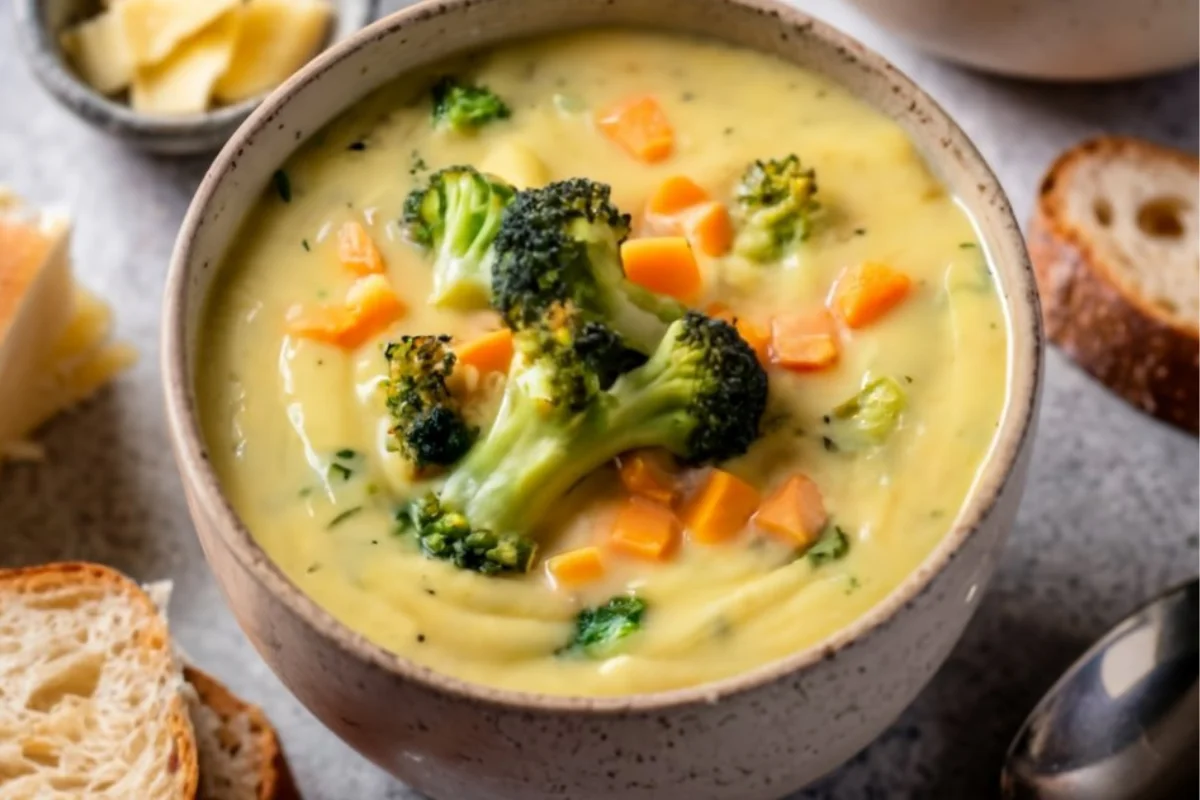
[{"x": 176, "y": 76}]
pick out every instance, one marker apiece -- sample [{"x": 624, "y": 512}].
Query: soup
[{"x": 649, "y": 574}]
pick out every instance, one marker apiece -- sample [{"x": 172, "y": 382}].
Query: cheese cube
[
  {"x": 183, "y": 84},
  {"x": 517, "y": 164},
  {"x": 98, "y": 50},
  {"x": 277, "y": 37},
  {"x": 54, "y": 349}
]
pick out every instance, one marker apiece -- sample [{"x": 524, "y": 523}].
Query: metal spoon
[{"x": 1123, "y": 723}]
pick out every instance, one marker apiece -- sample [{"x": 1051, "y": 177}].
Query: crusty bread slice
[
  {"x": 240, "y": 756},
  {"x": 1115, "y": 243},
  {"x": 91, "y": 696}
]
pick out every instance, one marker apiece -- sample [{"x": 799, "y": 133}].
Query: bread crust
[
  {"x": 152, "y": 635},
  {"x": 275, "y": 777},
  {"x": 1130, "y": 345}
]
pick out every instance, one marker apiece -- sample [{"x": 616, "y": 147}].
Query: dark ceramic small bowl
[{"x": 39, "y": 25}]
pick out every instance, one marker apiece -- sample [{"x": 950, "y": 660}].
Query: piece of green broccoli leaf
[
  {"x": 465, "y": 107},
  {"x": 833, "y": 544},
  {"x": 599, "y": 630}
]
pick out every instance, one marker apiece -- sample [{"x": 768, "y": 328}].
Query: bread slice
[
  {"x": 1115, "y": 243},
  {"x": 91, "y": 696},
  {"x": 240, "y": 756},
  {"x": 54, "y": 348}
]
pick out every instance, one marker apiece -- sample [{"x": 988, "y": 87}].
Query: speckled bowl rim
[
  {"x": 1025, "y": 378},
  {"x": 49, "y": 67}
]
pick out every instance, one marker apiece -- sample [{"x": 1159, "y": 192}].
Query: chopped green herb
[
  {"x": 860, "y": 231},
  {"x": 599, "y": 629},
  {"x": 416, "y": 164},
  {"x": 829, "y": 444},
  {"x": 346, "y": 454},
  {"x": 966, "y": 245},
  {"x": 342, "y": 517},
  {"x": 312, "y": 568},
  {"x": 305, "y": 245},
  {"x": 358, "y": 146},
  {"x": 306, "y": 491},
  {"x": 340, "y": 471},
  {"x": 852, "y": 585},
  {"x": 833, "y": 544},
  {"x": 283, "y": 185}
]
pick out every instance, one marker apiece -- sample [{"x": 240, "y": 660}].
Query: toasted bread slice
[
  {"x": 240, "y": 756},
  {"x": 54, "y": 348},
  {"x": 92, "y": 700},
  {"x": 1115, "y": 243}
]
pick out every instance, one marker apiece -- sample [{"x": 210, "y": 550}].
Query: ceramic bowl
[
  {"x": 40, "y": 23},
  {"x": 1070, "y": 40},
  {"x": 756, "y": 735}
]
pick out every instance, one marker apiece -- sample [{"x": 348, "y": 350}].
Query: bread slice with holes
[
  {"x": 240, "y": 756},
  {"x": 94, "y": 703},
  {"x": 92, "y": 699},
  {"x": 1115, "y": 243}
]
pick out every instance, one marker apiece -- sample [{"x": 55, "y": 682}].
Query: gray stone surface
[{"x": 1109, "y": 519}]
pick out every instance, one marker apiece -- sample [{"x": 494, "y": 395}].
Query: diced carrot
[
  {"x": 794, "y": 512},
  {"x": 375, "y": 306},
  {"x": 357, "y": 251},
  {"x": 370, "y": 306},
  {"x": 324, "y": 323},
  {"x": 491, "y": 352},
  {"x": 866, "y": 292},
  {"x": 804, "y": 342},
  {"x": 720, "y": 508},
  {"x": 575, "y": 567},
  {"x": 757, "y": 337},
  {"x": 649, "y": 474},
  {"x": 639, "y": 125},
  {"x": 663, "y": 264},
  {"x": 675, "y": 194},
  {"x": 710, "y": 228},
  {"x": 644, "y": 529}
]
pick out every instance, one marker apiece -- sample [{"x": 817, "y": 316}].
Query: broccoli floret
[
  {"x": 465, "y": 107},
  {"x": 558, "y": 360},
  {"x": 456, "y": 216},
  {"x": 700, "y": 395},
  {"x": 428, "y": 428},
  {"x": 448, "y": 536},
  {"x": 561, "y": 245},
  {"x": 775, "y": 205},
  {"x": 599, "y": 629},
  {"x": 868, "y": 419}
]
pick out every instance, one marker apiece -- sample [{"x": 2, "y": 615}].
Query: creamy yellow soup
[{"x": 277, "y": 409}]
